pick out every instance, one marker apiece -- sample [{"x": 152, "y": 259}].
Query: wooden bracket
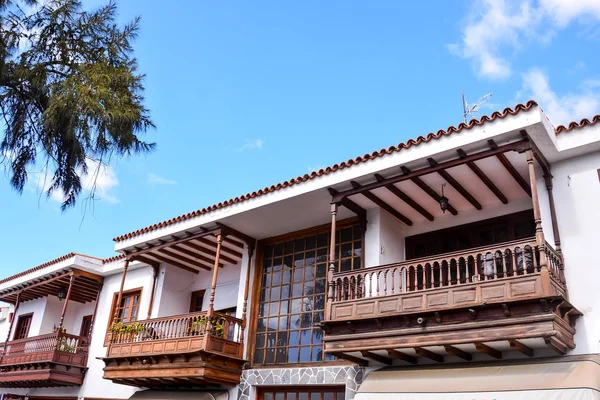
[
  {"x": 506, "y": 309},
  {"x": 429, "y": 354},
  {"x": 402, "y": 356},
  {"x": 545, "y": 306},
  {"x": 438, "y": 317},
  {"x": 455, "y": 351},
  {"x": 379, "y": 323},
  {"x": 376, "y": 357},
  {"x": 351, "y": 326},
  {"x": 490, "y": 351},
  {"x": 472, "y": 313},
  {"x": 515, "y": 344}
]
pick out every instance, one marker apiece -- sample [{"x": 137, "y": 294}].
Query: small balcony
[
  {"x": 509, "y": 296},
  {"x": 56, "y": 359},
  {"x": 185, "y": 350}
]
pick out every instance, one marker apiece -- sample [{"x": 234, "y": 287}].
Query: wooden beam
[
  {"x": 350, "y": 205},
  {"x": 212, "y": 244},
  {"x": 520, "y": 146},
  {"x": 490, "y": 351},
  {"x": 184, "y": 259},
  {"x": 174, "y": 263},
  {"x": 455, "y": 351},
  {"x": 515, "y": 344},
  {"x": 432, "y": 193},
  {"x": 229, "y": 231},
  {"x": 377, "y": 357},
  {"x": 402, "y": 356},
  {"x": 210, "y": 252},
  {"x": 350, "y": 358},
  {"x": 537, "y": 153},
  {"x": 146, "y": 260},
  {"x": 457, "y": 186},
  {"x": 194, "y": 256},
  {"x": 395, "y": 213},
  {"x": 429, "y": 354},
  {"x": 404, "y": 197},
  {"x": 511, "y": 169},
  {"x": 162, "y": 243},
  {"x": 483, "y": 177}
]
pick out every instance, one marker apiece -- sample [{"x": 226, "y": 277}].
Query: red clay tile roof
[
  {"x": 577, "y": 125},
  {"x": 56, "y": 261},
  {"x": 315, "y": 174}
]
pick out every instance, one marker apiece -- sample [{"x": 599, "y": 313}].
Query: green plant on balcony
[
  {"x": 215, "y": 325},
  {"x": 119, "y": 327},
  {"x": 63, "y": 345}
]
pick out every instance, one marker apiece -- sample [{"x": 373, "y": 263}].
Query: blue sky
[{"x": 249, "y": 93}]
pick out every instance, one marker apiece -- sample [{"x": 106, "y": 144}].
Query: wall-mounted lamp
[
  {"x": 62, "y": 293},
  {"x": 443, "y": 200}
]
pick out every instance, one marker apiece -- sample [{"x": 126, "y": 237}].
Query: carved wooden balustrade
[
  {"x": 429, "y": 301},
  {"x": 184, "y": 350},
  {"x": 56, "y": 359}
]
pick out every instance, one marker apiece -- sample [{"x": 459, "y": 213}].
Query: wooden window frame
[
  {"x": 195, "y": 295},
  {"x": 335, "y": 389},
  {"x": 19, "y": 318},
  {"x": 256, "y": 286},
  {"x": 111, "y": 318},
  {"x": 83, "y": 320}
]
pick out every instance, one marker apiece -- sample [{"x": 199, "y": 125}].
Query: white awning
[
  {"x": 179, "y": 395},
  {"x": 561, "y": 378}
]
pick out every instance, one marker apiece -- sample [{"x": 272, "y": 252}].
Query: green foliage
[
  {"x": 120, "y": 327},
  {"x": 63, "y": 345},
  {"x": 216, "y": 327},
  {"x": 69, "y": 91}
]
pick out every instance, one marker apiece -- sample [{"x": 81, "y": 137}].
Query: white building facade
[{"x": 467, "y": 252}]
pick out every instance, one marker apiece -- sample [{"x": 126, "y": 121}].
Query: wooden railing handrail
[
  {"x": 29, "y": 339},
  {"x": 453, "y": 254},
  {"x": 170, "y": 317},
  {"x": 228, "y": 317}
]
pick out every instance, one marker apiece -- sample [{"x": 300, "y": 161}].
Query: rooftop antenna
[{"x": 472, "y": 110}]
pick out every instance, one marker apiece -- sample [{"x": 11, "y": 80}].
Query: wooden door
[
  {"x": 23, "y": 325},
  {"x": 86, "y": 325},
  {"x": 197, "y": 300}
]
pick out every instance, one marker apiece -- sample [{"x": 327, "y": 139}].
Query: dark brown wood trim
[
  {"x": 175, "y": 263},
  {"x": 511, "y": 169},
  {"x": 308, "y": 231},
  {"x": 205, "y": 250},
  {"x": 198, "y": 263},
  {"x": 555, "y": 230},
  {"x": 483, "y": 177},
  {"x": 213, "y": 245},
  {"x": 454, "y": 183},
  {"x": 377, "y": 357},
  {"x": 455, "y": 351},
  {"x": 490, "y": 351},
  {"x": 429, "y": 354},
  {"x": 519, "y": 146},
  {"x": 350, "y": 205},
  {"x": 424, "y": 187},
  {"x": 352, "y": 359},
  {"x": 382, "y": 204},
  {"x": 194, "y": 256},
  {"x": 404, "y": 197},
  {"x": 402, "y": 356},
  {"x": 515, "y": 344},
  {"x": 19, "y": 319}
]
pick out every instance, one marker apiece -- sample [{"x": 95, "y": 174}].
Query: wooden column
[
  {"x": 64, "y": 310},
  {"x": 213, "y": 286},
  {"x": 95, "y": 310},
  {"x": 12, "y": 322},
  {"x": 332, "y": 260},
  {"x": 155, "y": 276},
  {"x": 555, "y": 231},
  {"x": 245, "y": 305},
  {"x": 539, "y": 233},
  {"x": 120, "y": 295}
]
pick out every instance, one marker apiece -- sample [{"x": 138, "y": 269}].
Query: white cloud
[
  {"x": 250, "y": 144},
  {"x": 560, "y": 109},
  {"x": 159, "y": 180},
  {"x": 497, "y": 26},
  {"x": 100, "y": 180}
]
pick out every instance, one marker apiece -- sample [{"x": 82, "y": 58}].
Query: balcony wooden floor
[
  {"x": 486, "y": 300},
  {"x": 44, "y": 361},
  {"x": 177, "y": 351}
]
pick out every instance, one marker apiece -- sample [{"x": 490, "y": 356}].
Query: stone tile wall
[{"x": 349, "y": 376}]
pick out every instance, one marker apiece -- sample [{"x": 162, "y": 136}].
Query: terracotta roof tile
[
  {"x": 326, "y": 171},
  {"x": 577, "y": 125},
  {"x": 114, "y": 258}
]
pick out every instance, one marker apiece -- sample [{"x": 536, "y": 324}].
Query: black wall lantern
[
  {"x": 62, "y": 293},
  {"x": 443, "y": 200}
]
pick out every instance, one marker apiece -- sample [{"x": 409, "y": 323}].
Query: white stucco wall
[{"x": 577, "y": 196}]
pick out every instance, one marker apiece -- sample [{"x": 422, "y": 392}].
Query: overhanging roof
[{"x": 85, "y": 287}]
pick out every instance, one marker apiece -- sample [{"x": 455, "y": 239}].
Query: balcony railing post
[
  {"x": 537, "y": 215},
  {"x": 213, "y": 286},
  {"x": 332, "y": 259},
  {"x": 12, "y": 321},
  {"x": 555, "y": 230},
  {"x": 245, "y": 305},
  {"x": 120, "y": 295}
]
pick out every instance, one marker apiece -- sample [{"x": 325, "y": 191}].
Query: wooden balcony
[
  {"x": 489, "y": 299},
  {"x": 56, "y": 359},
  {"x": 185, "y": 350}
]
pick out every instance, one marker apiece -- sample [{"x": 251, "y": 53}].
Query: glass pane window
[{"x": 293, "y": 294}]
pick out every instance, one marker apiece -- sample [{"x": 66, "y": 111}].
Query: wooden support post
[
  {"x": 120, "y": 295},
  {"x": 537, "y": 215},
  {"x": 213, "y": 286},
  {"x": 246, "y": 290},
  {"x": 95, "y": 310},
  {"x": 332, "y": 260},
  {"x": 555, "y": 230},
  {"x": 155, "y": 278},
  {"x": 12, "y": 322},
  {"x": 64, "y": 310}
]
